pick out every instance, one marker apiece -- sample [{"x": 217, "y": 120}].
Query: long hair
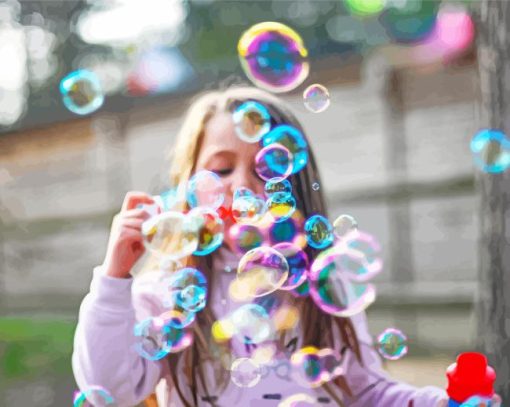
[{"x": 317, "y": 327}]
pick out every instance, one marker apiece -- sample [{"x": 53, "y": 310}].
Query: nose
[{"x": 244, "y": 177}]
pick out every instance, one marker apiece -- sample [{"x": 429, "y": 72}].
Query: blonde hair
[{"x": 183, "y": 161}]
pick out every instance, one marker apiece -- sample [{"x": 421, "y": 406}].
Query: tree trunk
[{"x": 493, "y": 307}]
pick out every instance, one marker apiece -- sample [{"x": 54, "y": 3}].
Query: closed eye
[{"x": 223, "y": 172}]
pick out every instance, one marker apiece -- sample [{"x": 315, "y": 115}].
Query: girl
[{"x": 103, "y": 349}]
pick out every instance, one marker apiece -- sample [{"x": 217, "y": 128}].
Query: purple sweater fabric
[{"x": 104, "y": 354}]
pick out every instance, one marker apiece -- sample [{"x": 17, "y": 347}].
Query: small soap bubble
[
  {"x": 307, "y": 368},
  {"x": 273, "y": 56},
  {"x": 319, "y": 232},
  {"x": 392, "y": 344},
  {"x": 275, "y": 185},
  {"x": 273, "y": 162},
  {"x": 248, "y": 208},
  {"x": 81, "y": 92},
  {"x": 334, "y": 285},
  {"x": 192, "y": 298},
  {"x": 245, "y": 237},
  {"x": 491, "y": 151},
  {"x": 205, "y": 189},
  {"x": 344, "y": 224},
  {"x": 262, "y": 270},
  {"x": 188, "y": 289},
  {"x": 210, "y": 230},
  {"x": 245, "y": 372},
  {"x": 292, "y": 139},
  {"x": 281, "y": 206},
  {"x": 170, "y": 235},
  {"x": 316, "y": 98},
  {"x": 316, "y": 186},
  {"x": 154, "y": 339},
  {"x": 298, "y": 264},
  {"x": 252, "y": 120},
  {"x": 94, "y": 396}
]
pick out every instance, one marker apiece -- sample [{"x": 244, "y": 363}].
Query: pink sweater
[{"x": 104, "y": 354}]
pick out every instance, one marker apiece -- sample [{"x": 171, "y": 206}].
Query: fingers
[
  {"x": 135, "y": 198},
  {"x": 135, "y": 213}
]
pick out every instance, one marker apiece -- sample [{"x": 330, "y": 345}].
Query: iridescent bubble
[
  {"x": 299, "y": 400},
  {"x": 178, "y": 319},
  {"x": 188, "y": 289},
  {"x": 316, "y": 98},
  {"x": 275, "y": 185},
  {"x": 281, "y": 206},
  {"x": 292, "y": 139},
  {"x": 245, "y": 372},
  {"x": 319, "y": 232},
  {"x": 330, "y": 361},
  {"x": 171, "y": 235},
  {"x": 273, "y": 56},
  {"x": 368, "y": 246},
  {"x": 245, "y": 237},
  {"x": 298, "y": 264},
  {"x": 94, "y": 396},
  {"x": 262, "y": 270},
  {"x": 491, "y": 151},
  {"x": 81, "y": 92},
  {"x": 306, "y": 367},
  {"x": 154, "y": 339},
  {"x": 251, "y": 324},
  {"x": 333, "y": 285},
  {"x": 316, "y": 186},
  {"x": 248, "y": 209},
  {"x": 288, "y": 230},
  {"x": 302, "y": 291},
  {"x": 210, "y": 230},
  {"x": 392, "y": 344},
  {"x": 252, "y": 120},
  {"x": 344, "y": 224},
  {"x": 273, "y": 161},
  {"x": 205, "y": 189},
  {"x": 481, "y": 401}
]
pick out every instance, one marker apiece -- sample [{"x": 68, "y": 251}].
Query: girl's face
[{"x": 232, "y": 159}]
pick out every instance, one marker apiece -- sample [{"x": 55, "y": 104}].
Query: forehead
[{"x": 220, "y": 136}]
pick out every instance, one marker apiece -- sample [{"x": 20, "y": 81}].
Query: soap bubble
[
  {"x": 188, "y": 289},
  {"x": 481, "y": 401},
  {"x": 81, "y": 92},
  {"x": 210, "y": 230},
  {"x": 205, "y": 189},
  {"x": 491, "y": 151},
  {"x": 94, "y": 396},
  {"x": 281, "y": 206},
  {"x": 273, "y": 56},
  {"x": 288, "y": 230},
  {"x": 316, "y": 98},
  {"x": 319, "y": 232},
  {"x": 172, "y": 235},
  {"x": 275, "y": 185},
  {"x": 392, "y": 344},
  {"x": 292, "y": 139},
  {"x": 307, "y": 368},
  {"x": 252, "y": 120},
  {"x": 178, "y": 318},
  {"x": 251, "y": 324},
  {"x": 316, "y": 186},
  {"x": 298, "y": 264},
  {"x": 262, "y": 270},
  {"x": 299, "y": 400},
  {"x": 273, "y": 161},
  {"x": 368, "y": 246},
  {"x": 330, "y": 361},
  {"x": 245, "y": 237},
  {"x": 344, "y": 224},
  {"x": 336, "y": 282},
  {"x": 245, "y": 372},
  {"x": 248, "y": 209},
  {"x": 154, "y": 339},
  {"x": 365, "y": 7}
]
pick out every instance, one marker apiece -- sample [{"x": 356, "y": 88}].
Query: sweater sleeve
[
  {"x": 104, "y": 352},
  {"x": 371, "y": 386}
]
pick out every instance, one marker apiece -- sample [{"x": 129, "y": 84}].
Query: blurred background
[{"x": 393, "y": 152}]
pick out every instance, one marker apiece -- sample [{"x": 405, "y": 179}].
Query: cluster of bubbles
[
  {"x": 392, "y": 344},
  {"x": 491, "y": 151},
  {"x": 81, "y": 92},
  {"x": 94, "y": 396}
]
